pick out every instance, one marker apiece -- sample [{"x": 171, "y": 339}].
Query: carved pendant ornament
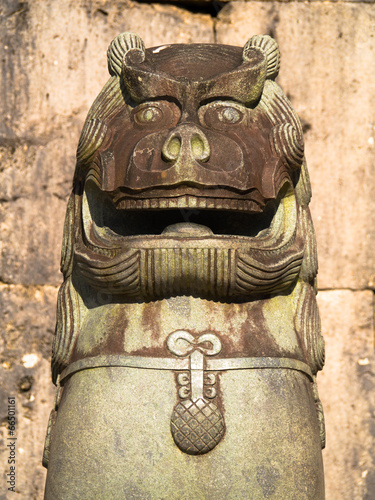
[
  {"x": 197, "y": 424},
  {"x": 189, "y": 255}
]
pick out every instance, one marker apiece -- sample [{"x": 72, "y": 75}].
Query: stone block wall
[{"x": 53, "y": 64}]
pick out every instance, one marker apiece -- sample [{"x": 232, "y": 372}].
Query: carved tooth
[
  {"x": 247, "y": 205},
  {"x": 181, "y": 203},
  {"x": 234, "y": 204},
  {"x": 192, "y": 202},
  {"x": 202, "y": 203},
  {"x": 163, "y": 203},
  {"x": 146, "y": 203},
  {"x": 154, "y": 204},
  {"x": 210, "y": 203},
  {"x": 224, "y": 204}
]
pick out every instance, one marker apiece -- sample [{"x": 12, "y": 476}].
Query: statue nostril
[
  {"x": 200, "y": 148},
  {"x": 174, "y": 146},
  {"x": 197, "y": 146},
  {"x": 172, "y": 149}
]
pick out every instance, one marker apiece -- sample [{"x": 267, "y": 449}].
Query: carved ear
[
  {"x": 269, "y": 47},
  {"x": 127, "y": 48}
]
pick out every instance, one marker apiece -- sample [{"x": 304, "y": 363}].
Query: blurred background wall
[{"x": 53, "y": 64}]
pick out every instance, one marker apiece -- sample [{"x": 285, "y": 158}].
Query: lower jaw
[{"x": 162, "y": 267}]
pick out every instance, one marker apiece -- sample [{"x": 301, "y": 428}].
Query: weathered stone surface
[
  {"x": 327, "y": 71},
  {"x": 35, "y": 181},
  {"x": 26, "y": 322},
  {"x": 52, "y": 69},
  {"x": 346, "y": 387}
]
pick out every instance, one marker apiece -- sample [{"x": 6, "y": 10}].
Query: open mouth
[
  {"x": 183, "y": 216},
  {"x": 212, "y": 253}
]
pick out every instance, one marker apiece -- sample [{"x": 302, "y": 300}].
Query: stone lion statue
[{"x": 188, "y": 336}]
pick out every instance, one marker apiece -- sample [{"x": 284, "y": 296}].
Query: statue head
[{"x": 189, "y": 175}]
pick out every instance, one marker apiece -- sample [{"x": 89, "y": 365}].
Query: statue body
[{"x": 188, "y": 336}]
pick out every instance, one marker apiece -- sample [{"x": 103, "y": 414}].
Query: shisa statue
[{"x": 188, "y": 336}]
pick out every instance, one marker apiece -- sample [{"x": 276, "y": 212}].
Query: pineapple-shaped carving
[{"x": 197, "y": 426}]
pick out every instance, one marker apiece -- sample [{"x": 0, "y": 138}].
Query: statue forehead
[
  {"x": 193, "y": 61},
  {"x": 208, "y": 70}
]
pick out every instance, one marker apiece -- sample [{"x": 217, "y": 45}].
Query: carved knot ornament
[{"x": 188, "y": 304}]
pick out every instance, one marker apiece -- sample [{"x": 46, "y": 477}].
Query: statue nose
[{"x": 186, "y": 141}]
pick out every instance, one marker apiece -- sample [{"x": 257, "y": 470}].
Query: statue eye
[
  {"x": 221, "y": 114},
  {"x": 148, "y": 115},
  {"x": 156, "y": 114},
  {"x": 229, "y": 115}
]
